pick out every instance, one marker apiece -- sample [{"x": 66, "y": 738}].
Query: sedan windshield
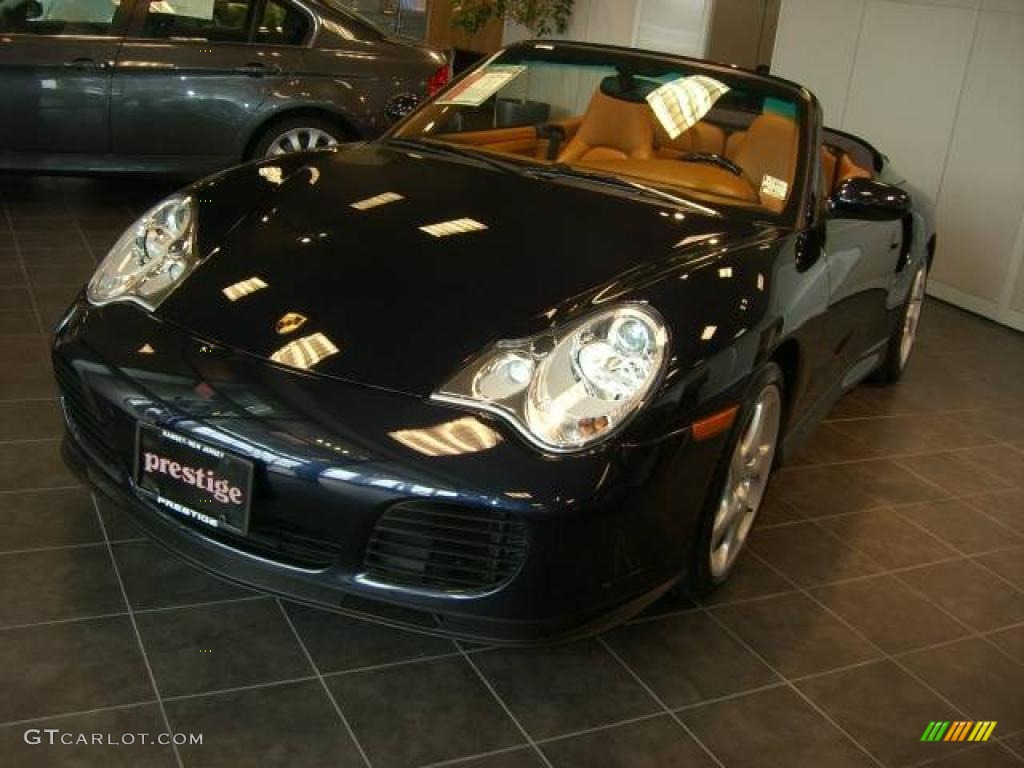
[{"x": 710, "y": 133}]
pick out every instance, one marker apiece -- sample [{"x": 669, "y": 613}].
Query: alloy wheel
[
  {"x": 747, "y": 479},
  {"x": 912, "y": 316},
  {"x": 300, "y": 140}
]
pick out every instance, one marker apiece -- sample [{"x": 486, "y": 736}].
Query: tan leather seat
[
  {"x": 733, "y": 144},
  {"x": 612, "y": 129},
  {"x": 837, "y": 167},
  {"x": 768, "y": 155},
  {"x": 702, "y": 137}
]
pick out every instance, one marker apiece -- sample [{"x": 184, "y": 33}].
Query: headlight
[
  {"x": 570, "y": 388},
  {"x": 150, "y": 258}
]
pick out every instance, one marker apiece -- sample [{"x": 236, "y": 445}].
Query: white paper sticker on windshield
[
  {"x": 480, "y": 86},
  {"x": 773, "y": 187}
]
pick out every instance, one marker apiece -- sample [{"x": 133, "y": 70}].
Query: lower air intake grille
[
  {"x": 80, "y": 412},
  {"x": 445, "y": 547}
]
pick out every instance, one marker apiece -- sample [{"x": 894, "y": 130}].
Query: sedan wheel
[
  {"x": 745, "y": 482},
  {"x": 300, "y": 140},
  {"x": 912, "y": 316}
]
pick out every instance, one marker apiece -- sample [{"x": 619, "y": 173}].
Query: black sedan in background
[
  {"x": 191, "y": 86},
  {"x": 499, "y": 379}
]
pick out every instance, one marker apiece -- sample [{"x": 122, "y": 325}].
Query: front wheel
[
  {"x": 740, "y": 484},
  {"x": 901, "y": 342}
]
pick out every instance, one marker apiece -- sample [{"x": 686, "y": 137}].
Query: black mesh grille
[
  {"x": 446, "y": 548},
  {"x": 81, "y": 414}
]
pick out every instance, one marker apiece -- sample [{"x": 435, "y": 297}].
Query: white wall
[
  {"x": 938, "y": 85},
  {"x": 678, "y": 26}
]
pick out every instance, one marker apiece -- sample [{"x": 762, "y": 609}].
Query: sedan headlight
[
  {"x": 570, "y": 388},
  {"x": 150, "y": 258}
]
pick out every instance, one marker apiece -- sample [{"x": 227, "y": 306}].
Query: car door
[
  {"x": 862, "y": 257},
  {"x": 192, "y": 74},
  {"x": 55, "y": 63}
]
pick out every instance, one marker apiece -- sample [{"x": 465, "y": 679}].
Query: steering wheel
[{"x": 713, "y": 159}]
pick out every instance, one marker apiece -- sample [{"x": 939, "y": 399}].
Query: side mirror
[
  {"x": 868, "y": 200},
  {"x": 33, "y": 10}
]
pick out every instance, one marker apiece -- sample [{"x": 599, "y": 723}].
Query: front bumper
[{"x": 530, "y": 548}]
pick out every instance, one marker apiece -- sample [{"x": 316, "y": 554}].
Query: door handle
[
  {"x": 258, "y": 69},
  {"x": 83, "y": 63}
]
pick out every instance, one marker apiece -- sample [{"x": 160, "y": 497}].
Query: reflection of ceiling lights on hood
[
  {"x": 243, "y": 288},
  {"x": 376, "y": 200},
  {"x": 452, "y": 438},
  {"x": 682, "y": 103},
  {"x": 305, "y": 352},
  {"x": 454, "y": 227}
]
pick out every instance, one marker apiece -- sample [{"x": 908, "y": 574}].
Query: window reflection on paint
[
  {"x": 306, "y": 352},
  {"x": 453, "y": 438}
]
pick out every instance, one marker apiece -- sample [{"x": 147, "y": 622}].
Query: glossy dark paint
[
  {"x": 611, "y": 527},
  {"x": 127, "y": 103}
]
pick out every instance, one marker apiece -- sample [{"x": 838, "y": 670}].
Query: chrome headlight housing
[
  {"x": 150, "y": 258},
  {"x": 568, "y": 389}
]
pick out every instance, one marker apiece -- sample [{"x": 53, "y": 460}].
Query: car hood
[{"x": 341, "y": 243}]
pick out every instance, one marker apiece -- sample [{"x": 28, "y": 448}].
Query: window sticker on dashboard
[
  {"x": 773, "y": 187},
  {"x": 478, "y": 87}
]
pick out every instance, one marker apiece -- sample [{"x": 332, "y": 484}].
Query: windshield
[{"x": 705, "y": 132}]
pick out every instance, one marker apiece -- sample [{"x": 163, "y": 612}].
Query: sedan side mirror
[
  {"x": 868, "y": 200},
  {"x": 33, "y": 10}
]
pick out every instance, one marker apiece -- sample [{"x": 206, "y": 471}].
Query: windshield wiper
[
  {"x": 563, "y": 171},
  {"x": 445, "y": 148}
]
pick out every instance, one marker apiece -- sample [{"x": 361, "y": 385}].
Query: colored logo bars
[{"x": 958, "y": 730}]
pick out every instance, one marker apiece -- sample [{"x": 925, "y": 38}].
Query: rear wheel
[
  {"x": 299, "y": 134},
  {"x": 901, "y": 342},
  {"x": 740, "y": 484}
]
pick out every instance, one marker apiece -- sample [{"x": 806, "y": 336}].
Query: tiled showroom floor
[{"x": 885, "y": 590}]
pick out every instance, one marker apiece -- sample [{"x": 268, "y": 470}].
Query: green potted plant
[{"x": 540, "y": 18}]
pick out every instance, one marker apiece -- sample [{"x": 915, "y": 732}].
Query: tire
[
  {"x": 297, "y": 134},
  {"x": 901, "y": 342},
  {"x": 716, "y": 549}
]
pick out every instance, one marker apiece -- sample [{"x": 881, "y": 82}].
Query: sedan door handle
[
  {"x": 258, "y": 69},
  {"x": 83, "y": 63}
]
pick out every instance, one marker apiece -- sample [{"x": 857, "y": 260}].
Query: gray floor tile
[
  {"x": 975, "y": 677},
  {"x": 954, "y": 474},
  {"x": 30, "y": 421},
  {"x": 772, "y": 729},
  {"x": 522, "y": 757},
  {"x": 971, "y": 593},
  {"x": 991, "y": 755},
  {"x": 558, "y": 690},
  {"x": 657, "y": 742},
  {"x": 293, "y": 725},
  {"x": 1011, "y": 640},
  {"x": 882, "y": 708},
  {"x": 53, "y": 584},
  {"x": 229, "y": 645},
  {"x": 832, "y": 490},
  {"x": 795, "y": 635},
  {"x": 751, "y": 577},
  {"x": 423, "y": 712},
  {"x": 38, "y": 677},
  {"x": 890, "y": 614},
  {"x": 338, "y": 643},
  {"x": 153, "y": 578},
  {"x": 1008, "y": 563},
  {"x": 807, "y": 555},
  {"x": 31, "y": 466},
  {"x": 118, "y": 525},
  {"x": 1007, "y": 507},
  {"x": 961, "y": 526},
  {"x": 887, "y": 538},
  {"x": 48, "y": 519},
  {"x": 689, "y": 658}
]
